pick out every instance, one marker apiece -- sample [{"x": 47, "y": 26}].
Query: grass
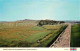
[
  {"x": 37, "y": 36},
  {"x": 36, "y": 28},
  {"x": 52, "y": 38},
  {"x": 75, "y": 35},
  {"x": 27, "y": 35},
  {"x": 51, "y": 26},
  {"x": 48, "y": 39}
]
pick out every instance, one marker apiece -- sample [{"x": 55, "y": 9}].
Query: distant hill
[
  {"x": 72, "y": 21},
  {"x": 25, "y": 22},
  {"x": 28, "y": 22}
]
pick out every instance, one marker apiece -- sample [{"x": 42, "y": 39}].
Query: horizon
[
  {"x": 39, "y": 19},
  {"x": 62, "y": 10}
]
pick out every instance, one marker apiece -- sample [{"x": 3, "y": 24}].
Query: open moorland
[{"x": 28, "y": 34}]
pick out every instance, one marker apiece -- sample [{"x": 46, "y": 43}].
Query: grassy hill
[{"x": 26, "y": 33}]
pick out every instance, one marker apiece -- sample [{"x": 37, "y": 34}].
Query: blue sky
[{"x": 12, "y": 10}]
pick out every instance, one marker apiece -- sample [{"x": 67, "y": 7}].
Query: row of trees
[{"x": 49, "y": 22}]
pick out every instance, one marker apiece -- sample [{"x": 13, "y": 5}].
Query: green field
[
  {"x": 28, "y": 35},
  {"x": 75, "y": 35}
]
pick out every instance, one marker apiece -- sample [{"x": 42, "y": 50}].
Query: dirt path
[{"x": 64, "y": 39}]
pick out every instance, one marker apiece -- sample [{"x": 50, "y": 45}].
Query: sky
[{"x": 12, "y": 10}]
